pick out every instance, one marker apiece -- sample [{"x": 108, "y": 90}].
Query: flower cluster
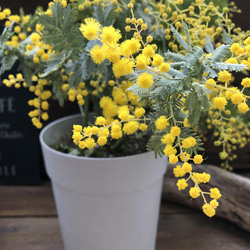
[
  {"x": 203, "y": 20},
  {"x": 150, "y": 64},
  {"x": 229, "y": 104},
  {"x": 157, "y": 72},
  {"x": 39, "y": 103},
  {"x": 26, "y": 41},
  {"x": 106, "y": 128}
]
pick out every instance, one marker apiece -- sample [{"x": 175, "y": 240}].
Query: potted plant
[{"x": 149, "y": 71}]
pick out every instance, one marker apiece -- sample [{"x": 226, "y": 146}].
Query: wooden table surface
[{"x": 28, "y": 221}]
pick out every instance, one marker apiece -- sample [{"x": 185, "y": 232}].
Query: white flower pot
[{"x": 104, "y": 203}]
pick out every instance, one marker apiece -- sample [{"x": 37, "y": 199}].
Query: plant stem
[{"x": 85, "y": 112}]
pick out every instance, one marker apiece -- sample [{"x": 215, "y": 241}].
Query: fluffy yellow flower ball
[
  {"x": 175, "y": 131},
  {"x": 98, "y": 55},
  {"x": 215, "y": 193},
  {"x": 246, "y": 82},
  {"x": 181, "y": 184},
  {"x": 110, "y": 35},
  {"x": 102, "y": 140},
  {"x": 173, "y": 159},
  {"x": 188, "y": 142},
  {"x": 198, "y": 159},
  {"x": 90, "y": 29},
  {"x": 164, "y": 67},
  {"x": 145, "y": 80},
  {"x": 179, "y": 171},
  {"x": 161, "y": 123},
  {"x": 194, "y": 192},
  {"x": 224, "y": 76},
  {"x": 139, "y": 112},
  {"x": 187, "y": 167},
  {"x": 169, "y": 150},
  {"x": 168, "y": 139},
  {"x": 220, "y": 102},
  {"x": 130, "y": 127},
  {"x": 243, "y": 107},
  {"x": 77, "y": 128},
  {"x": 208, "y": 210}
]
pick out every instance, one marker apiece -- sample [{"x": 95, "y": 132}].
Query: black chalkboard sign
[{"x": 20, "y": 156}]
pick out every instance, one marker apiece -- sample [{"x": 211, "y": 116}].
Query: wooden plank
[
  {"x": 179, "y": 227},
  {"x": 176, "y": 231},
  {"x": 30, "y": 234},
  {"x": 195, "y": 232},
  {"x": 39, "y": 201},
  {"x": 27, "y": 200},
  {"x": 169, "y": 207}
]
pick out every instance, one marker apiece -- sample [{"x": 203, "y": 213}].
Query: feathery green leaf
[
  {"x": 229, "y": 66},
  {"x": 155, "y": 144},
  {"x": 179, "y": 38},
  {"x": 54, "y": 64},
  {"x": 6, "y": 34},
  {"x": 174, "y": 56},
  {"x": 193, "y": 105},
  {"x": 220, "y": 53},
  {"x": 187, "y": 35},
  {"x": 8, "y": 62}
]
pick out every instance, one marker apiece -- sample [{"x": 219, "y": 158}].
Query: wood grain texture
[
  {"x": 191, "y": 231},
  {"x": 195, "y": 232},
  {"x": 27, "y": 200},
  {"x": 28, "y": 221},
  {"x": 30, "y": 234}
]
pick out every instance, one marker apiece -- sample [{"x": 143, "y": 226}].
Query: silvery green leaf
[
  {"x": 209, "y": 47},
  {"x": 198, "y": 52},
  {"x": 101, "y": 14},
  {"x": 190, "y": 60},
  {"x": 8, "y": 62},
  {"x": 187, "y": 35},
  {"x": 6, "y": 34},
  {"x": 177, "y": 65},
  {"x": 211, "y": 72},
  {"x": 179, "y": 38},
  {"x": 193, "y": 105},
  {"x": 229, "y": 66},
  {"x": 220, "y": 53},
  {"x": 174, "y": 73},
  {"x": 174, "y": 56},
  {"x": 54, "y": 64},
  {"x": 202, "y": 92}
]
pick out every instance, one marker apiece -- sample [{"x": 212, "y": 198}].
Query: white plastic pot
[{"x": 103, "y": 203}]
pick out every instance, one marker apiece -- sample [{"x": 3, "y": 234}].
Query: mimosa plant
[{"x": 155, "y": 69}]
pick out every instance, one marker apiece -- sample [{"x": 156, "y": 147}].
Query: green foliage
[
  {"x": 155, "y": 144},
  {"x": 229, "y": 66},
  {"x": 185, "y": 77},
  {"x": 61, "y": 29},
  {"x": 180, "y": 39},
  {"x": 105, "y": 16},
  {"x": 177, "y": 94},
  {"x": 175, "y": 57},
  {"x": 187, "y": 132},
  {"x": 54, "y": 64},
  {"x": 6, "y": 35},
  {"x": 219, "y": 54},
  {"x": 193, "y": 105},
  {"x": 202, "y": 93},
  {"x": 7, "y": 63}
]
